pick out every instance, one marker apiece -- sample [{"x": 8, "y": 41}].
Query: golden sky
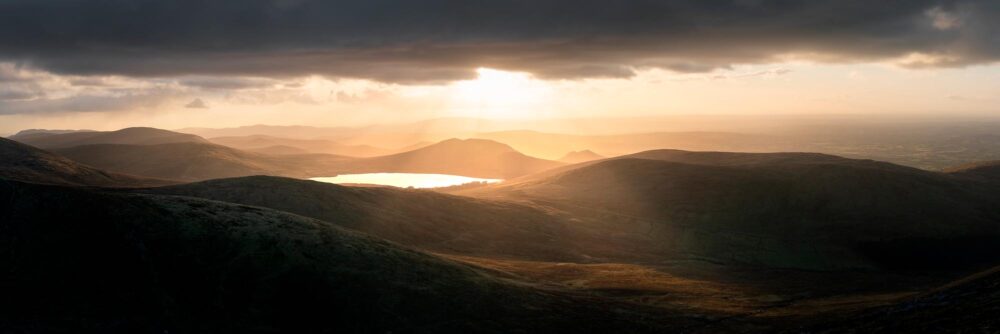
[
  {"x": 783, "y": 88},
  {"x": 184, "y": 63}
]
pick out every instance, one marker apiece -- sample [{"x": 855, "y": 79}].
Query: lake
[{"x": 403, "y": 180}]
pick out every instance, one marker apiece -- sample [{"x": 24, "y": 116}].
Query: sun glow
[{"x": 499, "y": 94}]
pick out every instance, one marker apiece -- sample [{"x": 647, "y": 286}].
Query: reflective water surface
[{"x": 403, "y": 180}]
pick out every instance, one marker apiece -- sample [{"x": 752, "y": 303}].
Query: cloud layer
[{"x": 407, "y": 41}]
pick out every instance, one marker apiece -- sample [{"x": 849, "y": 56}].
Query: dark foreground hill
[
  {"x": 424, "y": 219},
  {"x": 25, "y": 163},
  {"x": 127, "y": 136},
  {"x": 84, "y": 261},
  {"x": 197, "y": 161},
  {"x": 786, "y": 210}
]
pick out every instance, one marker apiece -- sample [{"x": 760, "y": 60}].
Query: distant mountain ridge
[
  {"x": 29, "y": 164},
  {"x": 259, "y": 142},
  {"x": 127, "y": 136},
  {"x": 580, "y": 156},
  {"x": 468, "y": 157},
  {"x": 195, "y": 161}
]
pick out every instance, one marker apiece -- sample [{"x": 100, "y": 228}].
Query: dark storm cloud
[{"x": 433, "y": 40}]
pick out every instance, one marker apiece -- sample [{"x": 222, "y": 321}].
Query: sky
[{"x": 172, "y": 64}]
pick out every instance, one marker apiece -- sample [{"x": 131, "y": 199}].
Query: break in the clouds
[{"x": 440, "y": 40}]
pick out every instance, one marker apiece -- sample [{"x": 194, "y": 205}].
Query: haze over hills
[
  {"x": 259, "y": 142},
  {"x": 128, "y": 136},
  {"x": 147, "y": 263},
  {"x": 25, "y": 163},
  {"x": 786, "y": 210},
  {"x": 580, "y": 156},
  {"x": 197, "y": 161}
]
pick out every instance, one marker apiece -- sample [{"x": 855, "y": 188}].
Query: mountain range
[{"x": 660, "y": 240}]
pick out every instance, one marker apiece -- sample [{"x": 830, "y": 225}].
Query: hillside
[
  {"x": 580, "y": 156},
  {"x": 259, "y": 142},
  {"x": 985, "y": 171},
  {"x": 785, "y": 210},
  {"x": 969, "y": 305},
  {"x": 25, "y": 163},
  {"x": 145, "y": 263},
  {"x": 196, "y": 161},
  {"x": 127, "y": 136},
  {"x": 470, "y": 157},
  {"x": 423, "y": 219}
]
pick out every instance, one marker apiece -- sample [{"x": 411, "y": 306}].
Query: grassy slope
[{"x": 85, "y": 261}]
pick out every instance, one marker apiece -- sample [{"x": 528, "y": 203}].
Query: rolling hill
[
  {"x": 25, "y": 163},
  {"x": 469, "y": 157},
  {"x": 798, "y": 210},
  {"x": 85, "y": 261},
  {"x": 127, "y": 136},
  {"x": 197, "y": 161}
]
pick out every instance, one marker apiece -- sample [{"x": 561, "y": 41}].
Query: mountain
[
  {"x": 580, "y": 156},
  {"x": 469, "y": 157},
  {"x": 798, "y": 210},
  {"x": 291, "y": 131},
  {"x": 25, "y": 163},
  {"x": 128, "y": 136},
  {"x": 196, "y": 161},
  {"x": 257, "y": 142},
  {"x": 79, "y": 260}
]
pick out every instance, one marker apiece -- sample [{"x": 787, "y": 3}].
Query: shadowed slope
[
  {"x": 129, "y": 136},
  {"x": 84, "y": 261},
  {"x": 196, "y": 161},
  {"x": 788, "y": 209},
  {"x": 25, "y": 163}
]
